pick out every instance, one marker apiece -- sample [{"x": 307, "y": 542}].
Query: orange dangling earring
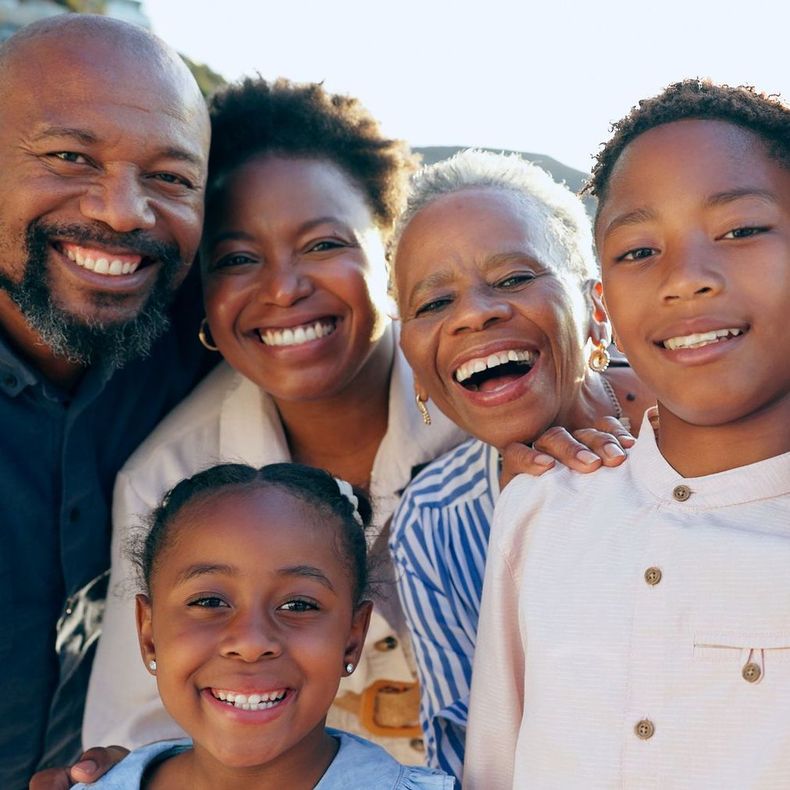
[{"x": 599, "y": 357}]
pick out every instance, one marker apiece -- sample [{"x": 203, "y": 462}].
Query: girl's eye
[
  {"x": 208, "y": 602},
  {"x": 299, "y": 605},
  {"x": 514, "y": 280},
  {"x": 434, "y": 306},
  {"x": 743, "y": 233},
  {"x": 637, "y": 254}
]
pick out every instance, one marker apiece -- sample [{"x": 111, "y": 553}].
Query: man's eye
[
  {"x": 637, "y": 254},
  {"x": 434, "y": 306},
  {"x": 172, "y": 178},
  {"x": 744, "y": 233},
  {"x": 208, "y": 602},
  {"x": 70, "y": 156},
  {"x": 299, "y": 605}
]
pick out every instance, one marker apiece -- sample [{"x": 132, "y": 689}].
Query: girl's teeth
[
  {"x": 700, "y": 339},
  {"x": 252, "y": 701}
]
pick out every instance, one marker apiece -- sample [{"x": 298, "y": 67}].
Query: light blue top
[
  {"x": 358, "y": 764},
  {"x": 439, "y": 540}
]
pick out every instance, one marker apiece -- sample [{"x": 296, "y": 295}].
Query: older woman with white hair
[{"x": 504, "y": 326}]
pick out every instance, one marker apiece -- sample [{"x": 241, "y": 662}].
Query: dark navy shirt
[{"x": 59, "y": 454}]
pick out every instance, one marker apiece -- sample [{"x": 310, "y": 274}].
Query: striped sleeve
[{"x": 439, "y": 541}]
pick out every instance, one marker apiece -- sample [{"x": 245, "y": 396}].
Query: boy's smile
[{"x": 694, "y": 241}]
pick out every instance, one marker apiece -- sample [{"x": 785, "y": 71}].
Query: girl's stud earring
[
  {"x": 152, "y": 665},
  {"x": 349, "y": 667}
]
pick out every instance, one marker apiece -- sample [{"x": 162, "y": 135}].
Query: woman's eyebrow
[{"x": 307, "y": 571}]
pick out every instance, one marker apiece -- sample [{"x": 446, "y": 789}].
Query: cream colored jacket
[{"x": 229, "y": 419}]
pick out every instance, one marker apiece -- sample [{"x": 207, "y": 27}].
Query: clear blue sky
[{"x": 546, "y": 77}]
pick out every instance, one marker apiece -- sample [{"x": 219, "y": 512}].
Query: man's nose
[{"x": 119, "y": 200}]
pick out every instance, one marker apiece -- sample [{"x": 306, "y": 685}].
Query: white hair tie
[{"x": 348, "y": 492}]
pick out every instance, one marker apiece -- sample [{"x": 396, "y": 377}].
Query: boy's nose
[{"x": 690, "y": 274}]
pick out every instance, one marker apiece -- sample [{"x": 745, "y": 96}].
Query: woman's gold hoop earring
[
  {"x": 204, "y": 336},
  {"x": 423, "y": 409},
  {"x": 599, "y": 357}
]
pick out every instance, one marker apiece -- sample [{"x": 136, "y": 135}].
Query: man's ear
[
  {"x": 145, "y": 634},
  {"x": 360, "y": 621}
]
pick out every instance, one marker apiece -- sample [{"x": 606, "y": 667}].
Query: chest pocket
[{"x": 756, "y": 658}]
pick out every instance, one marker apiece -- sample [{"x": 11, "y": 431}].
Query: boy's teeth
[
  {"x": 480, "y": 364},
  {"x": 297, "y": 335},
  {"x": 700, "y": 339},
  {"x": 251, "y": 701},
  {"x": 101, "y": 264}
]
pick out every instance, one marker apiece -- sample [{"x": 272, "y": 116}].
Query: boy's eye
[
  {"x": 208, "y": 602},
  {"x": 743, "y": 233},
  {"x": 434, "y": 306},
  {"x": 299, "y": 605},
  {"x": 637, "y": 254}
]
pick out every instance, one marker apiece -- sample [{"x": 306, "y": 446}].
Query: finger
[
  {"x": 520, "y": 459},
  {"x": 616, "y": 428},
  {"x": 604, "y": 445},
  {"x": 559, "y": 444},
  {"x": 51, "y": 779},
  {"x": 95, "y": 762}
]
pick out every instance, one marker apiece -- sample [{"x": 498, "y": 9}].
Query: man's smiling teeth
[
  {"x": 250, "y": 701},
  {"x": 478, "y": 365},
  {"x": 700, "y": 339},
  {"x": 296, "y": 335},
  {"x": 95, "y": 261}
]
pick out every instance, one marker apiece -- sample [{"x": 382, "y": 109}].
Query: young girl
[
  {"x": 634, "y": 625},
  {"x": 255, "y": 607}
]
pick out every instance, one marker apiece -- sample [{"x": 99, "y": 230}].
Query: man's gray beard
[{"x": 81, "y": 340}]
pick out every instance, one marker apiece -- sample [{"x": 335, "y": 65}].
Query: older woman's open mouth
[{"x": 486, "y": 374}]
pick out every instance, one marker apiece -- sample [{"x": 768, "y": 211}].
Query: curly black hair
[
  {"x": 255, "y": 117},
  {"x": 764, "y": 115},
  {"x": 315, "y": 487}
]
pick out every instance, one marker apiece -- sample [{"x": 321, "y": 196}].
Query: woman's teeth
[
  {"x": 478, "y": 365},
  {"x": 250, "y": 701},
  {"x": 700, "y": 339},
  {"x": 297, "y": 335}
]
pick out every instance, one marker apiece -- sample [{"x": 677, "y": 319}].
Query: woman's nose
[
  {"x": 282, "y": 284},
  {"x": 476, "y": 309}
]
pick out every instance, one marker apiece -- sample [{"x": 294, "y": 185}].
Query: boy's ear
[
  {"x": 145, "y": 636},
  {"x": 360, "y": 621}
]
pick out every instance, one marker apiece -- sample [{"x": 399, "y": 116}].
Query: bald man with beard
[{"x": 103, "y": 153}]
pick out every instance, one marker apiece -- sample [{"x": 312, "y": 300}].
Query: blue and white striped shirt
[{"x": 439, "y": 540}]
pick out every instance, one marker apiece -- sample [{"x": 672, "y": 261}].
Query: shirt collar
[{"x": 762, "y": 480}]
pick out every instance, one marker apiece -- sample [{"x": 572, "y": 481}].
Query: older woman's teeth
[
  {"x": 250, "y": 701},
  {"x": 297, "y": 335},
  {"x": 101, "y": 264},
  {"x": 478, "y": 365},
  {"x": 700, "y": 339}
]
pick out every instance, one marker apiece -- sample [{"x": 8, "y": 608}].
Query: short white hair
[{"x": 566, "y": 228}]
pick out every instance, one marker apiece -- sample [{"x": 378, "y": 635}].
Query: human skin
[
  {"x": 475, "y": 277},
  {"x": 694, "y": 237},
  {"x": 256, "y": 599},
  {"x": 100, "y": 147}
]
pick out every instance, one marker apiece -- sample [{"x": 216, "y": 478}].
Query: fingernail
[
  {"x": 86, "y": 766},
  {"x": 586, "y": 457},
  {"x": 612, "y": 450},
  {"x": 543, "y": 460},
  {"x": 627, "y": 439}
]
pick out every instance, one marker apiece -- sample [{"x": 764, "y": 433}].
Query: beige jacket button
[
  {"x": 653, "y": 576},
  {"x": 681, "y": 493},
  {"x": 388, "y": 643},
  {"x": 751, "y": 672},
  {"x": 644, "y": 729}
]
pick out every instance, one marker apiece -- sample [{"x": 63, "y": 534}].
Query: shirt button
[
  {"x": 74, "y": 515},
  {"x": 751, "y": 672},
  {"x": 644, "y": 729},
  {"x": 10, "y": 380},
  {"x": 417, "y": 744},
  {"x": 681, "y": 493},
  {"x": 388, "y": 643},
  {"x": 653, "y": 576}
]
